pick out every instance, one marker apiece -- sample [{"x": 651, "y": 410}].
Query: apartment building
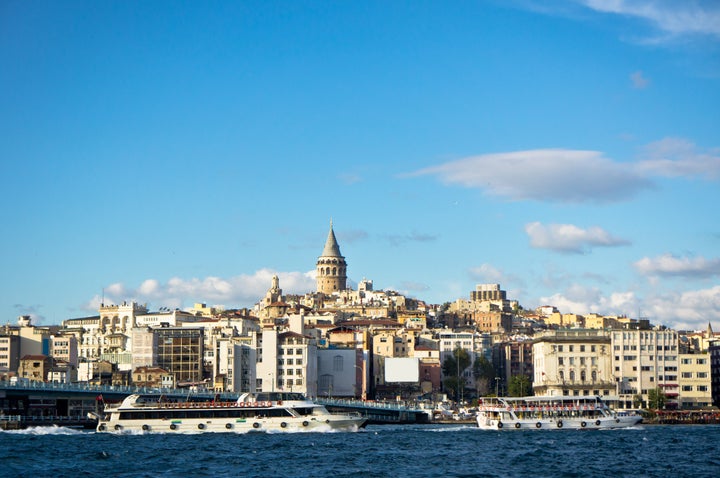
[
  {"x": 645, "y": 360},
  {"x": 694, "y": 381}
]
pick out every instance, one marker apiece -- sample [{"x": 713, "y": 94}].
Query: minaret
[{"x": 331, "y": 267}]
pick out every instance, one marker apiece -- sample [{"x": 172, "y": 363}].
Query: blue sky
[{"x": 181, "y": 152}]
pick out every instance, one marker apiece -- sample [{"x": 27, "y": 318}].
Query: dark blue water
[{"x": 377, "y": 451}]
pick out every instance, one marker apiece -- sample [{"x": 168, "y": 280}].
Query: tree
[
  {"x": 519, "y": 386},
  {"x": 452, "y": 369},
  {"x": 484, "y": 374},
  {"x": 656, "y": 398}
]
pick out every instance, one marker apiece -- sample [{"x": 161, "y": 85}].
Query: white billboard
[{"x": 402, "y": 370}]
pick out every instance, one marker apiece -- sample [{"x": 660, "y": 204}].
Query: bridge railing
[
  {"x": 100, "y": 389},
  {"x": 408, "y": 406}
]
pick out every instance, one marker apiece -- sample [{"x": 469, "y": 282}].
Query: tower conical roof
[{"x": 331, "y": 246}]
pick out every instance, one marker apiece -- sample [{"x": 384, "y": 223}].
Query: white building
[{"x": 645, "y": 360}]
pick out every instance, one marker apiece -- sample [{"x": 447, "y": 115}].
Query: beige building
[
  {"x": 35, "y": 367},
  {"x": 573, "y": 362},
  {"x": 694, "y": 381},
  {"x": 65, "y": 348}
]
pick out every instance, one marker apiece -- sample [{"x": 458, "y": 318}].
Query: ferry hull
[
  {"x": 553, "y": 424},
  {"x": 140, "y": 414},
  {"x": 229, "y": 425}
]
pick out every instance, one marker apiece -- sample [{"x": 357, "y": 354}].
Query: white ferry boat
[
  {"x": 259, "y": 412},
  {"x": 542, "y": 413}
]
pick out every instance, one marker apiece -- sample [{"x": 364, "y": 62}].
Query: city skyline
[{"x": 173, "y": 154}]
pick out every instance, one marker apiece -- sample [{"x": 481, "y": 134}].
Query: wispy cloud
[
  {"x": 352, "y": 235},
  {"x": 669, "y": 265},
  {"x": 350, "y": 178},
  {"x": 568, "y": 238},
  {"x": 672, "y": 17},
  {"x": 239, "y": 291},
  {"x": 414, "y": 286},
  {"x": 489, "y": 274},
  {"x": 639, "y": 81},
  {"x": 400, "y": 239},
  {"x": 675, "y": 157},
  {"x": 576, "y": 176},
  {"x": 559, "y": 175}
]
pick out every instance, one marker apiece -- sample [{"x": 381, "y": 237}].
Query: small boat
[
  {"x": 557, "y": 412},
  {"x": 277, "y": 412}
]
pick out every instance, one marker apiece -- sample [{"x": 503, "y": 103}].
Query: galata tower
[{"x": 331, "y": 267}]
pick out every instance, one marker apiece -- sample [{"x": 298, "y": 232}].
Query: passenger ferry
[
  {"x": 280, "y": 411},
  {"x": 536, "y": 413}
]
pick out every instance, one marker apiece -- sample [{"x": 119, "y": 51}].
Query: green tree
[
  {"x": 452, "y": 369},
  {"x": 519, "y": 386},
  {"x": 484, "y": 374},
  {"x": 656, "y": 398}
]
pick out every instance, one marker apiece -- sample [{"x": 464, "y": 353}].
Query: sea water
[{"x": 376, "y": 451}]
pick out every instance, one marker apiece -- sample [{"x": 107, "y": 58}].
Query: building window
[{"x": 338, "y": 363}]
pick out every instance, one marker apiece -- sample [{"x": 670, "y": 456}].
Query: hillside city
[{"x": 371, "y": 344}]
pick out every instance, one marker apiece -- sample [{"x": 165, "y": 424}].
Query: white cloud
[
  {"x": 670, "y": 16},
  {"x": 686, "y": 310},
  {"x": 673, "y": 157},
  {"x": 545, "y": 174},
  {"x": 639, "y": 81},
  {"x": 579, "y": 299},
  {"x": 669, "y": 265},
  {"x": 689, "y": 310},
  {"x": 239, "y": 291},
  {"x": 574, "y": 176},
  {"x": 488, "y": 274},
  {"x": 569, "y": 238}
]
